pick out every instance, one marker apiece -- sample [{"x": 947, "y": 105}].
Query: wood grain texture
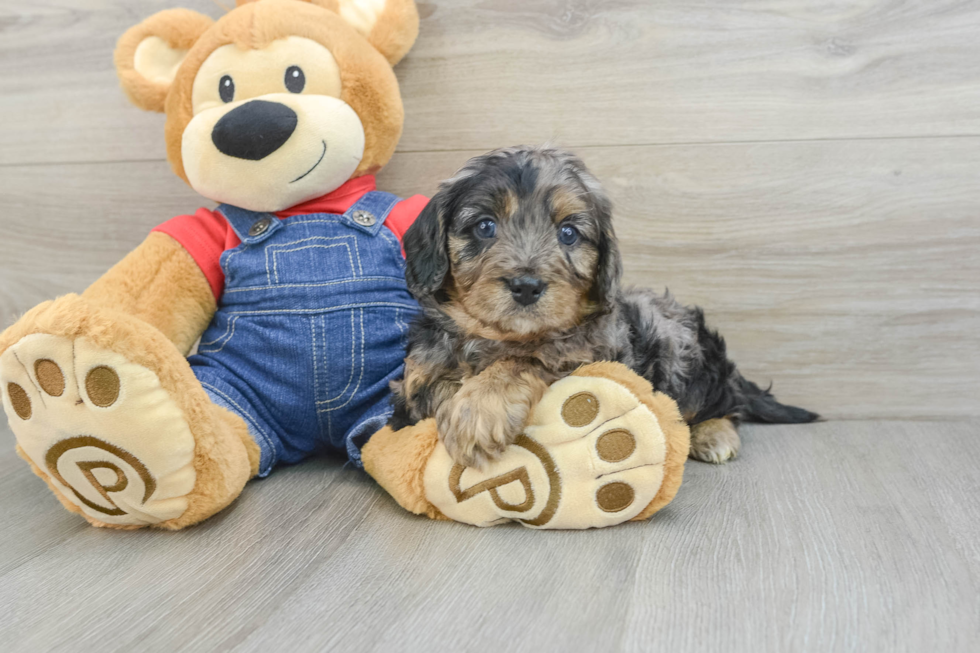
[
  {"x": 841, "y": 269},
  {"x": 847, "y": 536},
  {"x": 844, "y": 272},
  {"x": 807, "y": 170},
  {"x": 582, "y": 72}
]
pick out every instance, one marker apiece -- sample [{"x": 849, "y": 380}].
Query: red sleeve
[
  {"x": 404, "y": 213},
  {"x": 205, "y": 235}
]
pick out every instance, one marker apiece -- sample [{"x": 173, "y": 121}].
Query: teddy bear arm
[{"x": 160, "y": 283}]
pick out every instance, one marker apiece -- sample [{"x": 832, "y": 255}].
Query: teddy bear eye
[
  {"x": 295, "y": 79},
  {"x": 226, "y": 89}
]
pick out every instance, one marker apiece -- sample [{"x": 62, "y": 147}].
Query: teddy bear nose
[{"x": 254, "y": 130}]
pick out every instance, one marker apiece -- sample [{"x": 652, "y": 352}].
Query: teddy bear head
[{"x": 278, "y": 101}]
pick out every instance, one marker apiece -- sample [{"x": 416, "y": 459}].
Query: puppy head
[{"x": 520, "y": 241}]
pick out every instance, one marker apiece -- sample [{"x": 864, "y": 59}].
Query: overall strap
[
  {"x": 369, "y": 213},
  {"x": 251, "y": 226}
]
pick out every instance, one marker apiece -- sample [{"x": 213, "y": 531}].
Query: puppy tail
[{"x": 761, "y": 406}]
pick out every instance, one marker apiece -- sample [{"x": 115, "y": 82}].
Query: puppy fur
[{"x": 509, "y": 309}]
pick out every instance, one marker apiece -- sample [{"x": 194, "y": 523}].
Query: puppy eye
[
  {"x": 226, "y": 89},
  {"x": 567, "y": 235},
  {"x": 295, "y": 79},
  {"x": 486, "y": 229}
]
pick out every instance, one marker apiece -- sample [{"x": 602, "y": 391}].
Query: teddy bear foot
[
  {"x": 102, "y": 430},
  {"x": 601, "y": 448},
  {"x": 111, "y": 440}
]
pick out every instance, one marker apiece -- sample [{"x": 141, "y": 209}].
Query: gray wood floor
[
  {"x": 839, "y": 536},
  {"x": 807, "y": 170}
]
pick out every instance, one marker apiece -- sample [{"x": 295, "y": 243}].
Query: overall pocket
[
  {"x": 218, "y": 334},
  {"x": 338, "y": 359},
  {"x": 314, "y": 259}
]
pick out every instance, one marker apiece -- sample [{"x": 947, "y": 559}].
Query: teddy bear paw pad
[
  {"x": 101, "y": 429},
  {"x": 591, "y": 456}
]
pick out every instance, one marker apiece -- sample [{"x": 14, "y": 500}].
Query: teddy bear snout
[{"x": 254, "y": 130}]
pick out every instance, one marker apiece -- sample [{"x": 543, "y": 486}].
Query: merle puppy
[{"x": 517, "y": 270}]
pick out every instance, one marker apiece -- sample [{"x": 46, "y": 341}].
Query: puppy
[{"x": 516, "y": 267}]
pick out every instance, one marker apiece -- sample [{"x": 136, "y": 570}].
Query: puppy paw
[
  {"x": 488, "y": 412},
  {"x": 715, "y": 441},
  {"x": 476, "y": 427}
]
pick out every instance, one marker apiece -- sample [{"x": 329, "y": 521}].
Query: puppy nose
[
  {"x": 254, "y": 130},
  {"x": 526, "y": 290}
]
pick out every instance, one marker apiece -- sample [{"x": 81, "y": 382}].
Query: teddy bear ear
[
  {"x": 391, "y": 26},
  {"x": 149, "y": 54}
]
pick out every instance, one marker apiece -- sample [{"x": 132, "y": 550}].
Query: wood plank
[
  {"x": 61, "y": 99},
  {"x": 834, "y": 536},
  {"x": 845, "y": 272},
  {"x": 487, "y": 74}
]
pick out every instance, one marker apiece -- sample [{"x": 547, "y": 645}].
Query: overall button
[
  {"x": 260, "y": 227},
  {"x": 364, "y": 218}
]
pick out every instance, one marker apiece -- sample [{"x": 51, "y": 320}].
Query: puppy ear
[
  {"x": 149, "y": 54},
  {"x": 609, "y": 267},
  {"x": 426, "y": 258}
]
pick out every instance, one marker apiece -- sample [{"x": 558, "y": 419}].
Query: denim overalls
[{"x": 310, "y": 329}]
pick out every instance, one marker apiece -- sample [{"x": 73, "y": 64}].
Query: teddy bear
[{"x": 268, "y": 329}]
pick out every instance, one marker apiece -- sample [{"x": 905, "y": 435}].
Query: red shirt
[{"x": 206, "y": 235}]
